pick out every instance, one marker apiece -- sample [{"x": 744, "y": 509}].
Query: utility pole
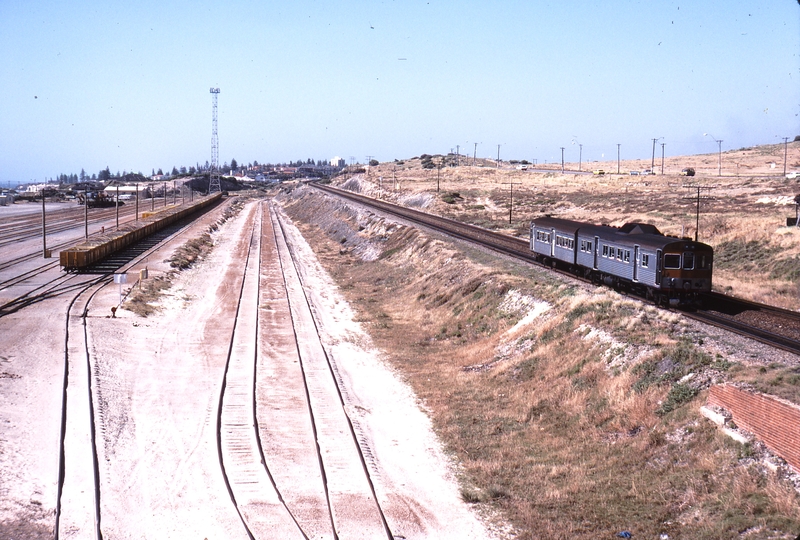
[
  {"x": 458, "y": 155},
  {"x": 369, "y": 159},
  {"x": 618, "y": 145},
  {"x": 785, "y": 150},
  {"x": 498, "y": 156},
  {"x": 474, "y": 154},
  {"x": 44, "y": 230},
  {"x": 137, "y": 201},
  {"x": 511, "y": 204},
  {"x": 86, "y": 211},
  {"x": 116, "y": 204},
  {"x": 662, "y": 157},
  {"x": 580, "y": 156},
  {"x": 562, "y": 160},
  {"x": 438, "y": 174},
  {"x": 653, "y": 161},
  {"x": 697, "y": 198}
]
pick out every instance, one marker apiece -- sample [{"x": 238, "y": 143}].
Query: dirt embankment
[{"x": 572, "y": 410}]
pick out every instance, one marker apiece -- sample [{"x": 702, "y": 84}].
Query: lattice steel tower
[{"x": 213, "y": 176}]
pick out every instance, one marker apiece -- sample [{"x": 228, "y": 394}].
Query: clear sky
[{"x": 126, "y": 84}]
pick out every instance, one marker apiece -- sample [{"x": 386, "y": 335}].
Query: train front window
[
  {"x": 672, "y": 261},
  {"x": 688, "y": 260}
]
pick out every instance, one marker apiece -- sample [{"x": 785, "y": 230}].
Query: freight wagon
[{"x": 95, "y": 250}]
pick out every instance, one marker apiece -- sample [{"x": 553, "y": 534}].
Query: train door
[
  {"x": 596, "y": 250},
  {"x": 659, "y": 266},
  {"x": 635, "y": 263},
  {"x": 552, "y": 242}
]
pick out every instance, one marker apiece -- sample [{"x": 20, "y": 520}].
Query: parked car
[
  {"x": 688, "y": 171},
  {"x": 599, "y": 172},
  {"x": 648, "y": 171},
  {"x": 634, "y": 173},
  {"x": 792, "y": 175}
]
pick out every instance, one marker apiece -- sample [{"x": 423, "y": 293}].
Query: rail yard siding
[{"x": 774, "y": 421}]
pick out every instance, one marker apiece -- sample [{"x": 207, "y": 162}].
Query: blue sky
[{"x": 126, "y": 85}]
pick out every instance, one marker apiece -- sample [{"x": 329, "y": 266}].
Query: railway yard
[
  {"x": 185, "y": 442},
  {"x": 328, "y": 369}
]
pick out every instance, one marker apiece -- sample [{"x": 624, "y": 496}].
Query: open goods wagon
[{"x": 95, "y": 250}]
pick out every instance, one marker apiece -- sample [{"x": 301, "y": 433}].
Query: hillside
[{"x": 573, "y": 411}]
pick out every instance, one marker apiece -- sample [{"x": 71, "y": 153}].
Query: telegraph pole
[
  {"x": 580, "y": 156},
  {"x": 785, "y": 150},
  {"x": 458, "y": 155},
  {"x": 44, "y": 230},
  {"x": 697, "y": 198},
  {"x": 653, "y": 161},
  {"x": 618, "y": 145},
  {"x": 498, "y": 156},
  {"x": 511, "y": 204},
  {"x": 662, "y": 157},
  {"x": 562, "y": 160},
  {"x": 474, "y": 154}
]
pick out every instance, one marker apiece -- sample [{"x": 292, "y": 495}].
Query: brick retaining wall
[{"x": 774, "y": 421}]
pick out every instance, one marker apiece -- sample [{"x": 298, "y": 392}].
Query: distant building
[{"x": 337, "y": 162}]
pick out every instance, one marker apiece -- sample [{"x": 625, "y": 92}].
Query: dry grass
[{"x": 576, "y": 423}]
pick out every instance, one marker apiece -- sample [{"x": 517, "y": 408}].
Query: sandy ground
[{"x": 156, "y": 390}]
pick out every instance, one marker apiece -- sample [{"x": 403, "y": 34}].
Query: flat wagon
[{"x": 97, "y": 249}]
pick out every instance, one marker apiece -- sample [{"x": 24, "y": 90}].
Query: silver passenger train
[{"x": 636, "y": 257}]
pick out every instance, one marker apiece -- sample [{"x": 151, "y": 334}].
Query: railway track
[
  {"x": 78, "y": 505},
  {"x": 769, "y": 325},
  {"x": 282, "y": 410},
  {"x": 78, "y": 488}
]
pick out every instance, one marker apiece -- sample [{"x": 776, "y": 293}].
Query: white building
[{"x": 337, "y": 162}]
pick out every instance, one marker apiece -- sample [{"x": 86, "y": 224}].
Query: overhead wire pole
[
  {"x": 213, "y": 175},
  {"x": 511, "y": 202},
  {"x": 618, "y": 145},
  {"x": 662, "y": 157},
  {"x": 785, "y": 151},
  {"x": 562, "y": 160},
  {"x": 719, "y": 142},
  {"x": 653, "y": 161},
  {"x": 474, "y": 154},
  {"x": 498, "y": 157},
  {"x": 697, "y": 198}
]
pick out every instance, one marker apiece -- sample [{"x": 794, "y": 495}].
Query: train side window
[
  {"x": 619, "y": 254},
  {"x": 589, "y": 246},
  {"x": 688, "y": 260},
  {"x": 627, "y": 258},
  {"x": 645, "y": 260},
  {"x": 672, "y": 261},
  {"x": 605, "y": 251}
]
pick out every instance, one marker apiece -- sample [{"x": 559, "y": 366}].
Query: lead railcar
[{"x": 636, "y": 256}]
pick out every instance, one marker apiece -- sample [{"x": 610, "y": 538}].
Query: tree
[
  {"x": 104, "y": 175},
  {"x": 374, "y": 163},
  {"x": 160, "y": 172},
  {"x": 192, "y": 170},
  {"x": 255, "y": 163},
  {"x": 174, "y": 170},
  {"x": 83, "y": 175},
  {"x": 183, "y": 170},
  {"x": 234, "y": 165}
]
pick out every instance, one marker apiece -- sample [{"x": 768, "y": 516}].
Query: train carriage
[{"x": 636, "y": 256}]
